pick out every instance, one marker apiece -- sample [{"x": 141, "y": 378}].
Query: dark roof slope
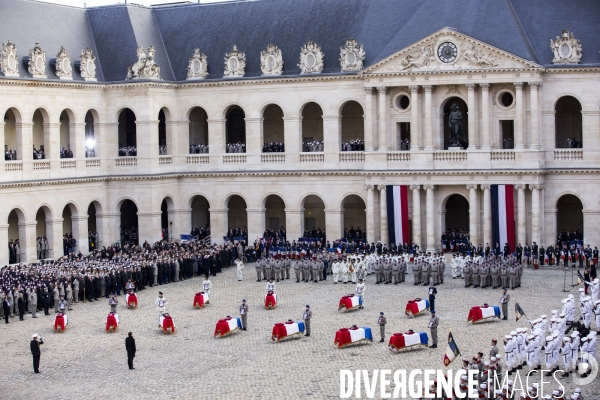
[{"x": 384, "y": 27}]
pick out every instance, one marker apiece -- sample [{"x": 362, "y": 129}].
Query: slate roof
[{"x": 383, "y": 27}]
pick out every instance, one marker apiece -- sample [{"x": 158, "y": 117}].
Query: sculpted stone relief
[
  {"x": 311, "y": 59},
  {"x": 62, "y": 65},
  {"x": 567, "y": 49},
  {"x": 352, "y": 56},
  {"x": 145, "y": 67},
  {"x": 235, "y": 63},
  {"x": 198, "y": 66},
  {"x": 8, "y": 59},
  {"x": 87, "y": 65},
  {"x": 37, "y": 62},
  {"x": 271, "y": 61}
]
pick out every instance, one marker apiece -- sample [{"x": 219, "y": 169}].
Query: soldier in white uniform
[
  {"x": 240, "y": 268},
  {"x": 335, "y": 269},
  {"x": 206, "y": 285},
  {"x": 161, "y": 305},
  {"x": 344, "y": 271},
  {"x": 566, "y": 356},
  {"x": 258, "y": 267},
  {"x": 360, "y": 292}
]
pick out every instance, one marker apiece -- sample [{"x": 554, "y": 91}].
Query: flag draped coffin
[
  {"x": 347, "y": 336},
  {"x": 503, "y": 215},
  {"x": 285, "y": 330},
  {"x": 112, "y": 322},
  {"x": 60, "y": 322},
  {"x": 477, "y": 313},
  {"x": 416, "y": 306},
  {"x": 200, "y": 299},
  {"x": 397, "y": 214},
  {"x": 227, "y": 325},
  {"x": 350, "y": 302},
  {"x": 131, "y": 300},
  {"x": 167, "y": 324},
  {"x": 270, "y": 300},
  {"x": 400, "y": 341}
]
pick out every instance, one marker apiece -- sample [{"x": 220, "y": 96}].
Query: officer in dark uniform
[{"x": 519, "y": 251}]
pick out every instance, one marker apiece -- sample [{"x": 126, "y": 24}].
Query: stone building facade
[{"x": 530, "y": 117}]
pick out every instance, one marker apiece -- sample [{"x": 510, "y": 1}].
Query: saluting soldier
[
  {"x": 258, "y": 267},
  {"x": 433, "y": 325},
  {"x": 504, "y": 303}
]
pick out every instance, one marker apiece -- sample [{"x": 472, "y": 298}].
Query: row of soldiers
[{"x": 487, "y": 271}]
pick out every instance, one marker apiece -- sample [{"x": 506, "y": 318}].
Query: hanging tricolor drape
[
  {"x": 503, "y": 216},
  {"x": 397, "y": 214}
]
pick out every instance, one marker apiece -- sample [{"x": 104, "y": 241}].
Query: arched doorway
[
  {"x": 237, "y": 217},
  {"x": 355, "y": 218},
  {"x": 127, "y": 134},
  {"x": 353, "y": 127},
  {"x": 94, "y": 213},
  {"x": 129, "y": 222},
  {"x": 166, "y": 218},
  {"x": 236, "y": 130},
  {"x": 200, "y": 212},
  {"x": 569, "y": 215},
  {"x": 66, "y": 147},
  {"x": 16, "y": 236},
  {"x": 457, "y": 214},
  {"x": 91, "y": 149},
  {"x": 41, "y": 140},
  {"x": 162, "y": 133},
  {"x": 312, "y": 127},
  {"x": 314, "y": 216},
  {"x": 568, "y": 123},
  {"x": 10, "y": 136},
  {"x": 43, "y": 218},
  {"x": 275, "y": 216},
  {"x": 67, "y": 229},
  {"x": 198, "y": 131},
  {"x": 273, "y": 136},
  {"x": 464, "y": 122}
]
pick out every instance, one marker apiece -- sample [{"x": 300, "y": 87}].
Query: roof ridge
[{"x": 522, "y": 32}]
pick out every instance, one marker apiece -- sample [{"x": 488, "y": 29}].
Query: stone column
[
  {"x": 521, "y": 215},
  {"x": 256, "y": 223},
  {"x": 415, "y": 137},
  {"x": 334, "y": 219},
  {"x": 218, "y": 224},
  {"x": 216, "y": 142},
  {"x": 382, "y": 107},
  {"x": 519, "y": 118},
  {"x": 542, "y": 213},
  {"x": 383, "y": 211},
  {"x": 416, "y": 219},
  {"x": 107, "y": 145},
  {"x": 331, "y": 138},
  {"x": 147, "y": 143},
  {"x": 178, "y": 140},
  {"x": 54, "y": 233},
  {"x": 428, "y": 131},
  {"x": 293, "y": 223},
  {"x": 25, "y": 143},
  {"x": 487, "y": 215},
  {"x": 77, "y": 143},
  {"x": 52, "y": 140},
  {"x": 2, "y": 162},
  {"x": 485, "y": 116},
  {"x": 149, "y": 226},
  {"x": 472, "y": 122},
  {"x": 370, "y": 212},
  {"x": 80, "y": 232},
  {"x": 254, "y": 139},
  {"x": 535, "y": 213},
  {"x": 430, "y": 204},
  {"x": 369, "y": 116},
  {"x": 182, "y": 222},
  {"x": 111, "y": 225},
  {"x": 4, "y": 256},
  {"x": 535, "y": 115},
  {"x": 292, "y": 132},
  {"x": 473, "y": 214},
  {"x": 27, "y": 230}
]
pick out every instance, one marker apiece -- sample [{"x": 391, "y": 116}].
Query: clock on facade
[{"x": 447, "y": 52}]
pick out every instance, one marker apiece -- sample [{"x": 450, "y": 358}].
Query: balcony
[
  {"x": 352, "y": 157},
  {"x": 234, "y": 158},
  {"x": 92, "y": 163},
  {"x": 70, "y": 164},
  {"x": 315, "y": 157},
  {"x": 165, "y": 160},
  {"x": 43, "y": 165},
  {"x": 272, "y": 158},
  {"x": 13, "y": 166},
  {"x": 568, "y": 155},
  {"x": 502, "y": 155},
  {"x": 196, "y": 159},
  {"x": 126, "y": 162},
  {"x": 450, "y": 156},
  {"x": 398, "y": 156}
]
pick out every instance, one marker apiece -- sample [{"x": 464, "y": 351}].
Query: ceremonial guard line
[
  {"x": 354, "y": 335},
  {"x": 287, "y": 330},
  {"x": 60, "y": 322},
  {"x": 411, "y": 339},
  {"x": 200, "y": 299},
  {"x": 416, "y": 307},
  {"x": 227, "y": 326}
]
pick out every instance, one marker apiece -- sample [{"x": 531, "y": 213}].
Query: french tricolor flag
[
  {"x": 397, "y": 213},
  {"x": 503, "y": 216}
]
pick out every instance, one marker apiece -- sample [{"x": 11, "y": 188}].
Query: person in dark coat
[
  {"x": 34, "y": 345},
  {"x": 130, "y": 347},
  {"x": 6, "y": 308},
  {"x": 89, "y": 289},
  {"x": 21, "y": 306},
  {"x": 46, "y": 301}
]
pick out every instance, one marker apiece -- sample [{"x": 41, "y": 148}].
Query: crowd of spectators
[
  {"x": 314, "y": 146},
  {"x": 574, "y": 143},
  {"x": 236, "y": 147},
  {"x": 38, "y": 154},
  {"x": 128, "y": 151},
  {"x": 65, "y": 153},
  {"x": 162, "y": 150},
  {"x": 354, "y": 145},
  {"x": 273, "y": 147},
  {"x": 10, "y": 155},
  {"x": 198, "y": 149}
]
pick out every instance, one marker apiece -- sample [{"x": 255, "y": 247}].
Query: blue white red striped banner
[
  {"x": 503, "y": 216},
  {"x": 397, "y": 214}
]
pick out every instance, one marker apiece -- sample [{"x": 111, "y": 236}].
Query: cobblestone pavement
[{"x": 86, "y": 362}]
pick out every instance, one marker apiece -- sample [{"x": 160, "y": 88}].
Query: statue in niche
[{"x": 457, "y": 133}]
